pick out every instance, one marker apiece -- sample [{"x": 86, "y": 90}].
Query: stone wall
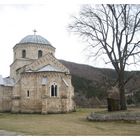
[
  {"x": 34, "y": 96},
  {"x": 1, "y": 98},
  {"x": 16, "y": 96},
  {"x": 5, "y": 98},
  {"x": 30, "y": 95},
  {"x": 15, "y": 68},
  {"x": 55, "y": 105},
  {"x": 115, "y": 116}
]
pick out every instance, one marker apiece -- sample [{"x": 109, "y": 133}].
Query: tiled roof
[
  {"x": 49, "y": 68},
  {"x": 6, "y": 81},
  {"x": 34, "y": 39}
]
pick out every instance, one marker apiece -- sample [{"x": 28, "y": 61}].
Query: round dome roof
[{"x": 35, "y": 39}]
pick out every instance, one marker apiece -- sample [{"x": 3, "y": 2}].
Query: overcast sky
[{"x": 50, "y": 18}]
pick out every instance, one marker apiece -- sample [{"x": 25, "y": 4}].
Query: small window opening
[
  {"x": 23, "y": 53},
  {"x": 28, "y": 93},
  {"x": 39, "y": 53}
]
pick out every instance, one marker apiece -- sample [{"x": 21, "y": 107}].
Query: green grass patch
[{"x": 70, "y": 124}]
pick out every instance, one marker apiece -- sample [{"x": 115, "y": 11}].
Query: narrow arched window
[
  {"x": 54, "y": 90},
  {"x": 39, "y": 53},
  {"x": 23, "y": 53}
]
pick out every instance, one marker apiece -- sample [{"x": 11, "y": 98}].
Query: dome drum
[{"x": 31, "y": 46}]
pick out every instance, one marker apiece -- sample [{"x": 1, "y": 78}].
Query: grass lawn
[{"x": 70, "y": 124}]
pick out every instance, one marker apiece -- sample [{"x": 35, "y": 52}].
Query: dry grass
[{"x": 65, "y": 124}]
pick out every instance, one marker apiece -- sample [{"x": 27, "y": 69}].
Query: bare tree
[{"x": 111, "y": 30}]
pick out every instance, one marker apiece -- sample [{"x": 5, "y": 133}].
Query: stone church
[{"x": 38, "y": 82}]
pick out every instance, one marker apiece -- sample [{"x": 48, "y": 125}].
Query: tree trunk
[{"x": 122, "y": 92}]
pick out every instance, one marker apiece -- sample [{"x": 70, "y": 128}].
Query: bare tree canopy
[{"x": 112, "y": 30}]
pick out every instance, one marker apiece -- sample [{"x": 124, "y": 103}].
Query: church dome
[{"x": 34, "y": 39}]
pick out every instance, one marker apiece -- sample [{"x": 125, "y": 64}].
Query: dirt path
[{"x": 9, "y": 133}]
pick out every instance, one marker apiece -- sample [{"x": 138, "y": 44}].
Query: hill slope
[
  {"x": 87, "y": 71},
  {"x": 91, "y": 83}
]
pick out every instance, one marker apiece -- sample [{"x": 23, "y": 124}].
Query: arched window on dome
[
  {"x": 23, "y": 53},
  {"x": 40, "y": 53}
]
